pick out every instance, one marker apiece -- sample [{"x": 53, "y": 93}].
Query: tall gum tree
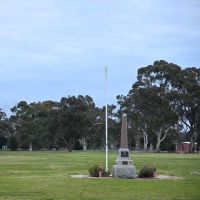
[
  {"x": 149, "y": 98},
  {"x": 187, "y": 102}
]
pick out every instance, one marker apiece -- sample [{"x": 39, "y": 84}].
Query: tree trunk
[
  {"x": 194, "y": 142},
  {"x": 137, "y": 147},
  {"x": 83, "y": 143},
  {"x": 69, "y": 144},
  {"x": 69, "y": 148},
  {"x": 158, "y": 141},
  {"x": 30, "y": 146},
  {"x": 191, "y": 144},
  {"x": 145, "y": 143},
  {"x": 158, "y": 145},
  {"x": 151, "y": 147},
  {"x": 145, "y": 137}
]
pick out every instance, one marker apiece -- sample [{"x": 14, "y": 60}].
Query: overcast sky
[{"x": 54, "y": 48}]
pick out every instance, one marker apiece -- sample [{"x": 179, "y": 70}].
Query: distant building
[{"x": 183, "y": 147}]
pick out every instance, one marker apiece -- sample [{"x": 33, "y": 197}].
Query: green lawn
[{"x": 45, "y": 176}]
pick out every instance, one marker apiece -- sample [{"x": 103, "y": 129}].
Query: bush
[
  {"x": 147, "y": 172},
  {"x": 94, "y": 171}
]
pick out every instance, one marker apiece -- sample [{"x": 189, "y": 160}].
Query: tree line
[{"x": 162, "y": 106}]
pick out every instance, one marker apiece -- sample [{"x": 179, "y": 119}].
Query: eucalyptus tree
[
  {"x": 22, "y": 119},
  {"x": 29, "y": 120},
  {"x": 149, "y": 100},
  {"x": 73, "y": 119},
  {"x": 6, "y": 129},
  {"x": 187, "y": 102},
  {"x": 5, "y": 126}
]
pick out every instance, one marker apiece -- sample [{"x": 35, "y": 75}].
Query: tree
[
  {"x": 149, "y": 101},
  {"x": 5, "y": 126},
  {"x": 73, "y": 120},
  {"x": 6, "y": 129},
  {"x": 29, "y": 123},
  {"x": 187, "y": 101}
]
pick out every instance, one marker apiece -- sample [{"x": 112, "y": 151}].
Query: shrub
[
  {"x": 147, "y": 172},
  {"x": 94, "y": 171}
]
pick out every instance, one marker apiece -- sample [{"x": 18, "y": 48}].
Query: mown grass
[{"x": 45, "y": 176}]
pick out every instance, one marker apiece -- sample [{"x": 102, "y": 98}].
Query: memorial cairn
[{"x": 124, "y": 167}]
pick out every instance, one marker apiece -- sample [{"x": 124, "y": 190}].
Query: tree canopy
[{"x": 163, "y": 108}]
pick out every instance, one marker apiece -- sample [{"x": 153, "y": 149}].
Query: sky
[{"x": 54, "y": 48}]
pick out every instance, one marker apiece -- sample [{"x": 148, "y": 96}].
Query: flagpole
[{"x": 106, "y": 116}]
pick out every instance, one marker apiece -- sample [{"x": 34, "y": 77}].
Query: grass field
[{"x": 45, "y": 176}]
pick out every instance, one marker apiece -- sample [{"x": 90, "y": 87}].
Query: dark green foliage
[
  {"x": 12, "y": 143},
  {"x": 42, "y": 125},
  {"x": 74, "y": 119},
  {"x": 162, "y": 100},
  {"x": 6, "y": 128},
  {"x": 3, "y": 141},
  {"x": 146, "y": 172},
  {"x": 187, "y": 102},
  {"x": 78, "y": 146},
  {"x": 94, "y": 171},
  {"x": 162, "y": 106}
]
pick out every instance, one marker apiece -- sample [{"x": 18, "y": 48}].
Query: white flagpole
[{"x": 106, "y": 117}]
